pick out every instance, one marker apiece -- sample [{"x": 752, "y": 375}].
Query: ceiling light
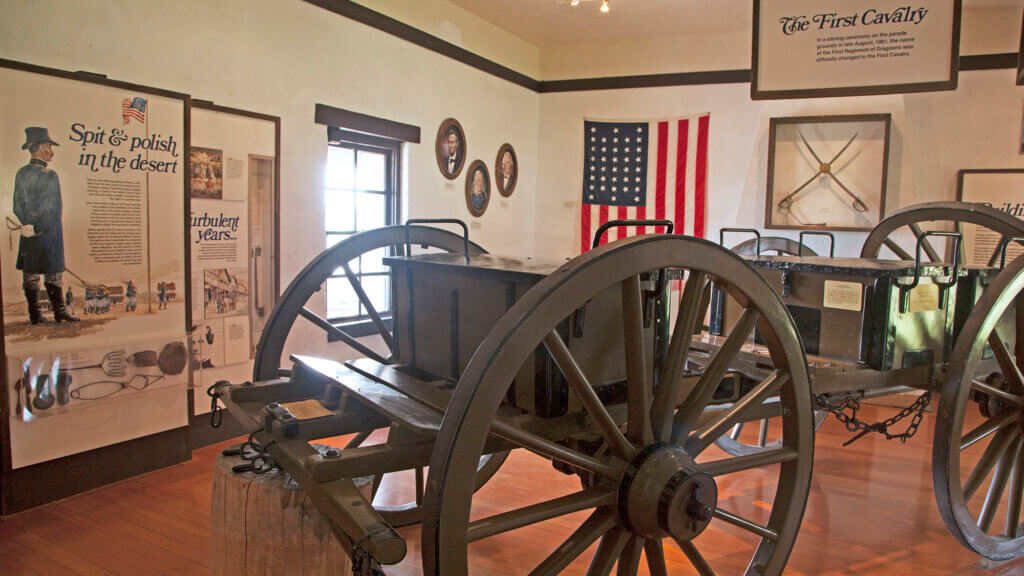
[
  {"x": 574, "y": 3},
  {"x": 604, "y": 6}
]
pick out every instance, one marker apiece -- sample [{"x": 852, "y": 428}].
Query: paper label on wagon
[
  {"x": 843, "y": 295},
  {"x": 924, "y": 298},
  {"x": 307, "y": 409}
]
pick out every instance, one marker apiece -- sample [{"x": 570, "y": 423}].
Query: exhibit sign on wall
[
  {"x": 92, "y": 270},
  {"x": 999, "y": 188},
  {"x": 233, "y": 186},
  {"x": 811, "y": 49}
]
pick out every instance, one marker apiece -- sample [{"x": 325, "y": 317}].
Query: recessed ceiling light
[
  {"x": 574, "y": 3},
  {"x": 604, "y": 6}
]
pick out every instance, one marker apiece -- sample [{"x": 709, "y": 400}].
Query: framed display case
[{"x": 827, "y": 172}]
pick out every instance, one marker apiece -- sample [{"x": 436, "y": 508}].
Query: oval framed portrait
[
  {"x": 506, "y": 170},
  {"x": 478, "y": 188},
  {"x": 450, "y": 148}
]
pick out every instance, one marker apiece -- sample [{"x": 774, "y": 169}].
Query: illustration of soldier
[
  {"x": 162, "y": 287},
  {"x": 38, "y": 206},
  {"x": 130, "y": 297}
]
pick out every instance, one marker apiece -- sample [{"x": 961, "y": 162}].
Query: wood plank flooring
[{"x": 871, "y": 513}]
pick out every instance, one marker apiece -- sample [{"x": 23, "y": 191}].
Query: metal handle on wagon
[
  {"x": 829, "y": 235},
  {"x": 465, "y": 232},
  {"x": 668, "y": 224},
  {"x": 943, "y": 286},
  {"x": 757, "y": 235},
  {"x": 1003, "y": 245}
]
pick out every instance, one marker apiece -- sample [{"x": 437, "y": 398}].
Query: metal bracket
[
  {"x": 275, "y": 412},
  {"x": 465, "y": 232},
  {"x": 757, "y": 235},
  {"x": 829, "y": 235},
  {"x": 1003, "y": 245},
  {"x": 943, "y": 286}
]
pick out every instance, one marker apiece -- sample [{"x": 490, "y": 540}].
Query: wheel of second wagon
[
  {"x": 349, "y": 260},
  {"x": 743, "y": 439},
  {"x": 978, "y": 450},
  {"x": 655, "y": 481}
]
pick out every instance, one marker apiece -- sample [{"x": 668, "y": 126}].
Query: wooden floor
[{"x": 871, "y": 512}]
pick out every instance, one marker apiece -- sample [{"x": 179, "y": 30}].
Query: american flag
[
  {"x": 133, "y": 108},
  {"x": 644, "y": 170}
]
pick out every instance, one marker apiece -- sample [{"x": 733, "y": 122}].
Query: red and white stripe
[
  {"x": 127, "y": 112},
  {"x": 677, "y": 184}
]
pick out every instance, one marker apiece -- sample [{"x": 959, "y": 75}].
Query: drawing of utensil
[
  {"x": 26, "y": 382},
  {"x": 17, "y": 394},
  {"x": 114, "y": 363},
  {"x": 44, "y": 397}
]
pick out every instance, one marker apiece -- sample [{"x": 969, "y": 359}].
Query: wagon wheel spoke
[
  {"x": 600, "y": 522},
  {"x": 608, "y": 551},
  {"x": 695, "y": 558},
  {"x": 737, "y": 430},
  {"x": 655, "y": 555},
  {"x": 629, "y": 560},
  {"x": 579, "y": 383},
  {"x": 1007, "y": 364},
  {"x": 707, "y": 434},
  {"x": 933, "y": 256},
  {"x": 897, "y": 249},
  {"x": 364, "y": 299},
  {"x": 993, "y": 453},
  {"x": 748, "y": 525},
  {"x": 702, "y": 392},
  {"x": 995, "y": 490},
  {"x": 638, "y": 379},
  {"x": 748, "y": 462},
  {"x": 419, "y": 486},
  {"x": 666, "y": 397},
  {"x": 520, "y": 517},
  {"x": 1013, "y": 504},
  {"x": 986, "y": 428},
  {"x": 336, "y": 332},
  {"x": 762, "y": 433},
  {"x": 550, "y": 449}
]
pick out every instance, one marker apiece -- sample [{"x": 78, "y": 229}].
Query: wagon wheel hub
[{"x": 662, "y": 493}]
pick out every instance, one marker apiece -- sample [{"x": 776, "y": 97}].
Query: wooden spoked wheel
[
  {"x": 656, "y": 480},
  {"x": 978, "y": 459},
  {"x": 742, "y": 440},
  {"x": 293, "y": 304},
  {"x": 950, "y": 216}
]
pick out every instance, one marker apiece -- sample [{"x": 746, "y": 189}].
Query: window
[{"x": 360, "y": 194}]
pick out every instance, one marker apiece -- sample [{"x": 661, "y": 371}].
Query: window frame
[{"x": 362, "y": 325}]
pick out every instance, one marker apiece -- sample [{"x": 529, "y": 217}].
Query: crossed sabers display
[{"x": 824, "y": 168}]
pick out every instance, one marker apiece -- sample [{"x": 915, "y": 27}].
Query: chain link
[{"x": 854, "y": 424}]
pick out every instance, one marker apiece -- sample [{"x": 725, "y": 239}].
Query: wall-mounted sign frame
[
  {"x": 999, "y": 188},
  {"x": 811, "y": 49},
  {"x": 89, "y": 207},
  {"x": 234, "y": 171},
  {"x": 1020, "y": 56}
]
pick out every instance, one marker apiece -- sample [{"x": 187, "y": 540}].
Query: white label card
[
  {"x": 843, "y": 295},
  {"x": 924, "y": 298},
  {"x": 307, "y": 409}
]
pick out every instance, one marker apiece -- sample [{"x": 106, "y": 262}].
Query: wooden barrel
[{"x": 264, "y": 524}]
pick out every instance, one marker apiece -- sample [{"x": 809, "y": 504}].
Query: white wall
[
  {"x": 933, "y": 135},
  {"x": 282, "y": 58}
]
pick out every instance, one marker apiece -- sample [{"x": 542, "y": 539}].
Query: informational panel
[
  {"x": 1002, "y": 189},
  {"x": 232, "y": 182},
  {"x": 815, "y": 48},
  {"x": 93, "y": 269}
]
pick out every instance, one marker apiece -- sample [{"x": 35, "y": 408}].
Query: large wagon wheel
[
  {"x": 732, "y": 441},
  {"x": 652, "y": 482},
  {"x": 954, "y": 214},
  {"x": 292, "y": 305},
  {"x": 980, "y": 427}
]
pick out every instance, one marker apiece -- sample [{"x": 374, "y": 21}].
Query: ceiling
[{"x": 548, "y": 23}]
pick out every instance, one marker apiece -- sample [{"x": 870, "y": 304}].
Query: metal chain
[
  {"x": 362, "y": 563},
  {"x": 854, "y": 424}
]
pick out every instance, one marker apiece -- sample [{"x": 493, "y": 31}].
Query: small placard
[
  {"x": 449, "y": 187},
  {"x": 505, "y": 204},
  {"x": 476, "y": 225},
  {"x": 307, "y": 409},
  {"x": 924, "y": 298},
  {"x": 843, "y": 295},
  {"x": 569, "y": 203}
]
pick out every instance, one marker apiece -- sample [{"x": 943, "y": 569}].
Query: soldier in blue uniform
[{"x": 37, "y": 203}]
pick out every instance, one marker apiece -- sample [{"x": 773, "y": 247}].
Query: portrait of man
[
  {"x": 478, "y": 188},
  {"x": 506, "y": 168},
  {"x": 38, "y": 206},
  {"x": 450, "y": 148}
]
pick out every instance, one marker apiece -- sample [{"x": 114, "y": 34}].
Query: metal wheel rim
[
  {"x": 946, "y": 472},
  {"x": 483, "y": 385},
  {"x": 957, "y": 212},
  {"x": 267, "y": 364}
]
